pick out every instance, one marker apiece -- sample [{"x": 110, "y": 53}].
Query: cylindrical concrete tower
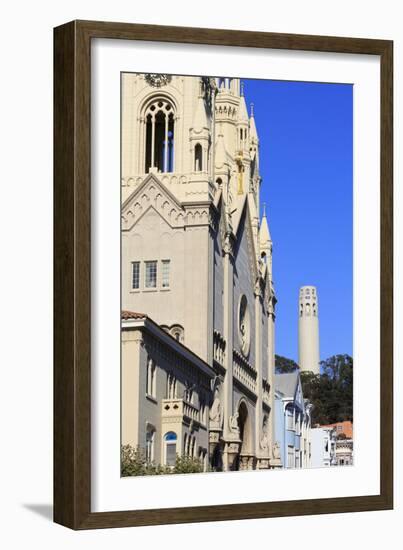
[{"x": 308, "y": 330}]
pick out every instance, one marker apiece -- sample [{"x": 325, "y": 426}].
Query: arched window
[
  {"x": 150, "y": 381},
  {"x": 170, "y": 439},
  {"x": 290, "y": 418},
  {"x": 160, "y": 123},
  {"x": 198, "y": 158},
  {"x": 171, "y": 386}
]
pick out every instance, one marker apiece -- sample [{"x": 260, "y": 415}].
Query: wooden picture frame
[{"x": 72, "y": 273}]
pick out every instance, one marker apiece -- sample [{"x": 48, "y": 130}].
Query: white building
[
  {"x": 344, "y": 452},
  {"x": 323, "y": 447},
  {"x": 197, "y": 291}
]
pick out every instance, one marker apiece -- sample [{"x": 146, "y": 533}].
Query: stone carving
[
  {"x": 233, "y": 425},
  {"x": 228, "y": 247},
  {"x": 264, "y": 440},
  {"x": 244, "y": 326},
  {"x": 216, "y": 410},
  {"x": 158, "y": 80},
  {"x": 276, "y": 451}
]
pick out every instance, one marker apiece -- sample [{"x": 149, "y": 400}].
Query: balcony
[
  {"x": 179, "y": 410},
  {"x": 244, "y": 372}
]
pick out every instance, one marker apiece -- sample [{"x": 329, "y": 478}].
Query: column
[
  {"x": 152, "y": 140},
  {"x": 271, "y": 369},
  {"x": 258, "y": 366},
  {"x": 166, "y": 145},
  {"x": 228, "y": 336}
]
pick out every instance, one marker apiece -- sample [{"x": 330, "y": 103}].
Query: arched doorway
[{"x": 245, "y": 434}]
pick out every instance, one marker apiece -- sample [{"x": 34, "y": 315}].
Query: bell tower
[{"x": 308, "y": 330}]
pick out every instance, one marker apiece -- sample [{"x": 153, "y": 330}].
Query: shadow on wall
[{"x": 44, "y": 510}]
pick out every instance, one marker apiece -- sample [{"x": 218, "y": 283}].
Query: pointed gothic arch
[{"x": 159, "y": 116}]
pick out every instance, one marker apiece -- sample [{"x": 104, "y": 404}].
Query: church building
[{"x": 198, "y": 302}]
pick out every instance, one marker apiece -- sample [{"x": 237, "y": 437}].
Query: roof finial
[
  {"x": 242, "y": 87},
  {"x": 251, "y": 109}
]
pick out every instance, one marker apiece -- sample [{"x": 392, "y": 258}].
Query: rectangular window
[
  {"x": 290, "y": 419},
  {"x": 290, "y": 457},
  {"x": 151, "y": 274},
  {"x": 165, "y": 273},
  {"x": 170, "y": 454},
  {"x": 135, "y": 275}
]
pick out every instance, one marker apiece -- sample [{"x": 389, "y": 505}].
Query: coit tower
[{"x": 308, "y": 330}]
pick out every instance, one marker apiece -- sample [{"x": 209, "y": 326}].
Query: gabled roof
[
  {"x": 150, "y": 178},
  {"x": 146, "y": 197},
  {"x": 286, "y": 383}
]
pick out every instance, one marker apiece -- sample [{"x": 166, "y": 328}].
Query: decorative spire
[
  {"x": 221, "y": 156},
  {"x": 200, "y": 120},
  {"x": 264, "y": 233},
  {"x": 243, "y": 110},
  {"x": 252, "y": 124}
]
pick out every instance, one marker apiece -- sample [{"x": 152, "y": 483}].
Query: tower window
[
  {"x": 151, "y": 274},
  {"x": 135, "y": 275},
  {"x": 159, "y": 140},
  {"x": 165, "y": 273},
  {"x": 198, "y": 158}
]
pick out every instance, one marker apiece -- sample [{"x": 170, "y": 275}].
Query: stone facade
[{"x": 198, "y": 363}]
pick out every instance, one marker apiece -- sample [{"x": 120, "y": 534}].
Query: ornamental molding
[
  {"x": 157, "y": 80},
  {"x": 152, "y": 194}
]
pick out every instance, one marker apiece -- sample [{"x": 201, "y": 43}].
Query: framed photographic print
[{"x": 223, "y": 275}]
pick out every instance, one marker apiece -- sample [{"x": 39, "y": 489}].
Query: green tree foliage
[
  {"x": 284, "y": 365},
  {"x": 331, "y": 393},
  {"x": 133, "y": 463}
]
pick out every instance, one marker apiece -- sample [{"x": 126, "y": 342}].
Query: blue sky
[{"x": 306, "y": 133}]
